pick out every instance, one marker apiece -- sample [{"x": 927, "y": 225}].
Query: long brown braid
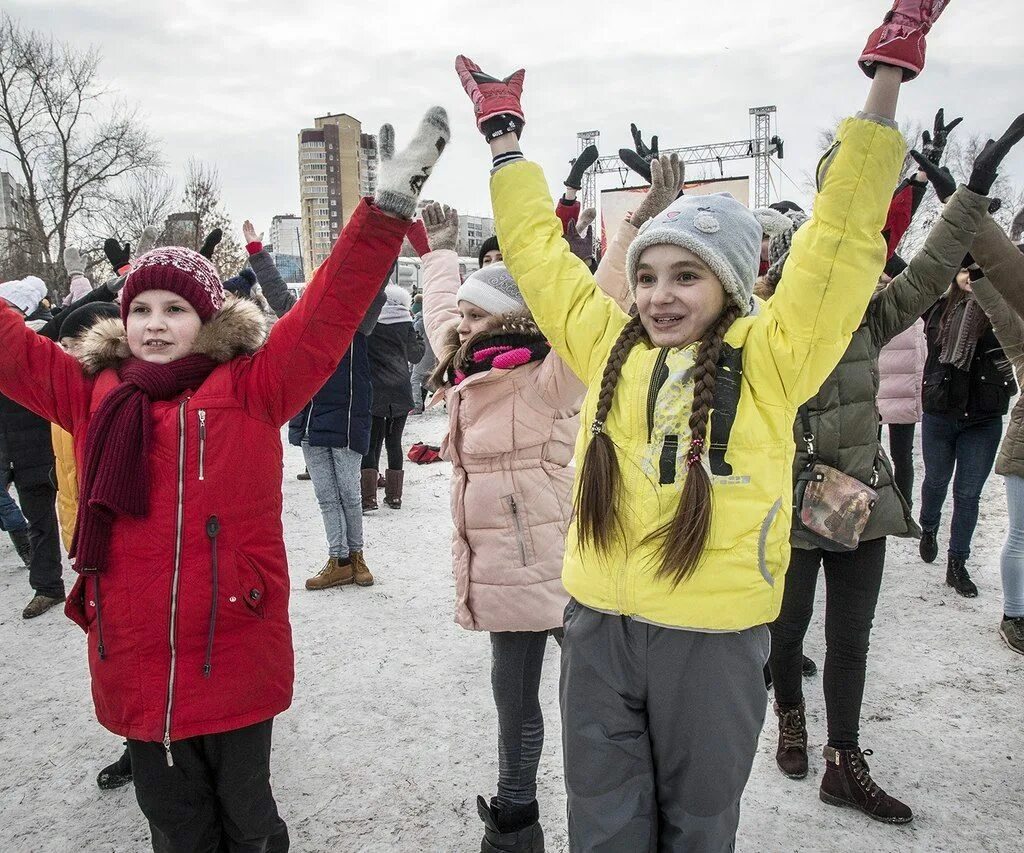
[
  {"x": 597, "y": 499},
  {"x": 685, "y": 536}
]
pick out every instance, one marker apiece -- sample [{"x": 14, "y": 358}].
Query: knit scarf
[
  {"x": 961, "y": 332},
  {"x": 115, "y": 480},
  {"x": 502, "y": 352}
]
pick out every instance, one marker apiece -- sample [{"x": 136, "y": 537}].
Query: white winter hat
[
  {"x": 25, "y": 294},
  {"x": 493, "y": 289}
]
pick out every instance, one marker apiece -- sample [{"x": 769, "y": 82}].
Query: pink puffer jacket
[
  {"x": 900, "y": 368},
  {"x": 510, "y": 441}
]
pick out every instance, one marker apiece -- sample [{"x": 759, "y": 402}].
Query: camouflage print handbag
[{"x": 831, "y": 508}]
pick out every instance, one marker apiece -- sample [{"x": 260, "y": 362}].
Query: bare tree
[
  {"x": 202, "y": 198},
  {"x": 69, "y": 139}
]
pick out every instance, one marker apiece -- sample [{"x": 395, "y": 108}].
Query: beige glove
[
  {"x": 666, "y": 180},
  {"x": 442, "y": 224}
]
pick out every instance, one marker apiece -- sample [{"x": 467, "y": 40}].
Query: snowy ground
[{"x": 392, "y": 733}]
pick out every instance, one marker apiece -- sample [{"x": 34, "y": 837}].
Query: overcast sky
[{"x": 232, "y": 82}]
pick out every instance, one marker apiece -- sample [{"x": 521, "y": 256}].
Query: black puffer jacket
[
  {"x": 393, "y": 347},
  {"x": 25, "y": 444},
  {"x": 981, "y": 392}
]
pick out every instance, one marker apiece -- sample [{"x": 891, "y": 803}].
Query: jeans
[
  {"x": 516, "y": 661},
  {"x": 335, "y": 475},
  {"x": 852, "y": 582},
  {"x": 386, "y": 431},
  {"x": 11, "y": 518},
  {"x": 901, "y": 452},
  {"x": 969, "y": 448},
  {"x": 660, "y": 729},
  {"x": 217, "y": 796},
  {"x": 1011, "y": 563}
]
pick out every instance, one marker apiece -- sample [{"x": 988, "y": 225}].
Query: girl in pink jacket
[{"x": 512, "y": 421}]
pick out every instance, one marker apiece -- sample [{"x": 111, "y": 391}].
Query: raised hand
[
  {"x": 667, "y": 172},
  {"x": 148, "y": 240},
  {"x": 900, "y": 40},
  {"x": 587, "y": 157},
  {"x": 496, "y": 103},
  {"x": 986, "y": 165},
  {"x": 647, "y": 152},
  {"x": 210, "y": 243},
  {"x": 403, "y": 174},
  {"x": 639, "y": 157},
  {"x": 581, "y": 245},
  {"x": 939, "y": 176},
  {"x": 249, "y": 233},
  {"x": 934, "y": 144},
  {"x": 119, "y": 254},
  {"x": 442, "y": 225}
]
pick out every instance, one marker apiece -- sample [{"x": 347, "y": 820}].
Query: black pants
[
  {"x": 901, "y": 452},
  {"x": 852, "y": 582},
  {"x": 216, "y": 798},
  {"x": 386, "y": 431},
  {"x": 38, "y": 503}
]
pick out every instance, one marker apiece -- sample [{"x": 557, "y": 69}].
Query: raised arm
[
  {"x": 280, "y": 299},
  {"x": 306, "y": 345}
]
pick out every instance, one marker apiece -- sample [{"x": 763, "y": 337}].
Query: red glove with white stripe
[
  {"x": 492, "y": 98},
  {"x": 899, "y": 41}
]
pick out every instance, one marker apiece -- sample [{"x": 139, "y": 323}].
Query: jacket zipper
[
  {"x": 212, "y": 529},
  {"x": 202, "y": 443},
  {"x": 172, "y": 631},
  {"x": 309, "y": 417},
  {"x": 519, "y": 527},
  {"x": 652, "y": 391},
  {"x": 101, "y": 648},
  {"x": 351, "y": 387}
]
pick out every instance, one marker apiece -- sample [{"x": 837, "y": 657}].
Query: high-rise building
[
  {"x": 285, "y": 235},
  {"x": 473, "y": 230},
  {"x": 337, "y": 167},
  {"x": 13, "y": 216}
]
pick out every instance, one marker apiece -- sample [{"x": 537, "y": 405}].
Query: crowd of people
[{"x": 655, "y": 451}]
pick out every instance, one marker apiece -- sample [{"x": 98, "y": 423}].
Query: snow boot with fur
[
  {"x": 393, "y": 482},
  {"x": 791, "y": 755},
  {"x": 368, "y": 487},
  {"x": 847, "y": 782},
  {"x": 334, "y": 573},
  {"x": 22, "y": 545},
  {"x": 118, "y": 774},
  {"x": 513, "y": 830}
]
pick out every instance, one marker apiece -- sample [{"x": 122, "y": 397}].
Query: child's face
[
  {"x": 492, "y": 257},
  {"x": 474, "y": 319},
  {"x": 161, "y": 326},
  {"x": 963, "y": 280},
  {"x": 677, "y": 296}
]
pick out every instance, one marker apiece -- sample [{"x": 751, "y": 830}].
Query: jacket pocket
[
  {"x": 993, "y": 394},
  {"x": 515, "y": 513},
  {"x": 251, "y": 585},
  {"x": 935, "y": 390},
  {"x": 74, "y": 607}
]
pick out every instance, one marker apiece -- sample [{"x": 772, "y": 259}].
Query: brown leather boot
[
  {"x": 791, "y": 756},
  {"x": 393, "y": 481},
  {"x": 360, "y": 572},
  {"x": 368, "y": 486},
  {"x": 334, "y": 573},
  {"x": 847, "y": 782}
]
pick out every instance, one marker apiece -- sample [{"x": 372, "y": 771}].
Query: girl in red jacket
[{"x": 183, "y": 578}]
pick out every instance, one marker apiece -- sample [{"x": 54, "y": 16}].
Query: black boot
[
  {"x": 847, "y": 782},
  {"x": 22, "y": 545},
  {"x": 791, "y": 755},
  {"x": 958, "y": 577},
  {"x": 514, "y": 830},
  {"x": 116, "y": 775},
  {"x": 928, "y": 546}
]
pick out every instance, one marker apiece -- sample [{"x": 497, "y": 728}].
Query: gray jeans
[
  {"x": 659, "y": 729},
  {"x": 335, "y": 475}
]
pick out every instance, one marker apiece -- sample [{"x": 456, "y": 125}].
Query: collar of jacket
[
  {"x": 238, "y": 328},
  {"x": 458, "y": 356}
]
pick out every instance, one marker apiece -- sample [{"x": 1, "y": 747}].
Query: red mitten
[
  {"x": 899, "y": 41},
  {"x": 417, "y": 238},
  {"x": 491, "y": 97}
]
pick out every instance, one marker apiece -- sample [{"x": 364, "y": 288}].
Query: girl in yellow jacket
[{"x": 676, "y": 556}]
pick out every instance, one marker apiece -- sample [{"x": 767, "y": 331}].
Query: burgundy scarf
[{"x": 115, "y": 480}]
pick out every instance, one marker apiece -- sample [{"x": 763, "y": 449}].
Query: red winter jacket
[{"x": 208, "y": 564}]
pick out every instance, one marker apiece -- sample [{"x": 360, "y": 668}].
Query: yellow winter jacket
[
  {"x": 785, "y": 351},
  {"x": 67, "y": 483}
]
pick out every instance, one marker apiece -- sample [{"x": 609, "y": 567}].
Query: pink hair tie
[{"x": 695, "y": 452}]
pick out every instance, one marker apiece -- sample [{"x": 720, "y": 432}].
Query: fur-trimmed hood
[
  {"x": 457, "y": 356},
  {"x": 238, "y": 328}
]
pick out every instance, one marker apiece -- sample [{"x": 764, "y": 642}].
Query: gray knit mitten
[
  {"x": 442, "y": 225},
  {"x": 403, "y": 175},
  {"x": 666, "y": 180},
  {"x": 74, "y": 263},
  {"x": 147, "y": 241}
]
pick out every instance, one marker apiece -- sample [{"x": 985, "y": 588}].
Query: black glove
[
  {"x": 210, "y": 243},
  {"x": 637, "y": 163},
  {"x": 941, "y": 178},
  {"x": 638, "y": 141},
  {"x": 986, "y": 165},
  {"x": 588, "y": 157},
  {"x": 119, "y": 255},
  {"x": 934, "y": 144}
]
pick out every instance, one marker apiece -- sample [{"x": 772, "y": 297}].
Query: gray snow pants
[{"x": 659, "y": 731}]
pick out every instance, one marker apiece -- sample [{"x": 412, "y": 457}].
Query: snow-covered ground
[{"x": 392, "y": 732}]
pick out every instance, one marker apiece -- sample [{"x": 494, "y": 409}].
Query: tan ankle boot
[
  {"x": 368, "y": 487},
  {"x": 334, "y": 573},
  {"x": 360, "y": 572}
]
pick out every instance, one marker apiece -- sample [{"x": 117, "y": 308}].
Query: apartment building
[{"x": 13, "y": 213}]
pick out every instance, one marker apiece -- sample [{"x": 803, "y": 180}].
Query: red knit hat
[{"x": 180, "y": 271}]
